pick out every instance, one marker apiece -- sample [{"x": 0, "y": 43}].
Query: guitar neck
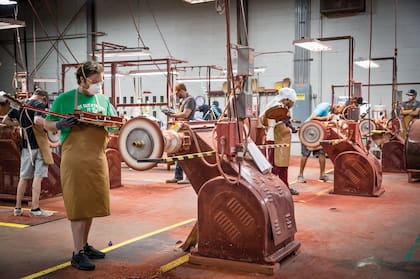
[
  {"x": 43, "y": 111},
  {"x": 82, "y": 116}
]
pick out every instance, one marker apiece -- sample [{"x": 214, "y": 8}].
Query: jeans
[{"x": 179, "y": 173}]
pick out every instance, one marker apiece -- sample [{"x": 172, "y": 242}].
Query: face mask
[{"x": 94, "y": 89}]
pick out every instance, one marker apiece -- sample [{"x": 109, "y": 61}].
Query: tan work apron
[
  {"x": 84, "y": 173},
  {"x": 43, "y": 144},
  {"x": 405, "y": 123},
  {"x": 282, "y": 134}
]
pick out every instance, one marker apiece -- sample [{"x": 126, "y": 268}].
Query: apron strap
[{"x": 25, "y": 133}]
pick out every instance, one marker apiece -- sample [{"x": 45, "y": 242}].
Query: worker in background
[
  {"x": 216, "y": 110},
  {"x": 321, "y": 113},
  {"x": 84, "y": 169},
  {"x": 410, "y": 110},
  {"x": 4, "y": 105},
  {"x": 35, "y": 153},
  {"x": 276, "y": 119},
  {"x": 185, "y": 113},
  {"x": 201, "y": 112}
]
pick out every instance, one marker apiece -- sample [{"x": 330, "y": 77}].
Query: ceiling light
[
  {"x": 365, "y": 63},
  {"x": 150, "y": 73},
  {"x": 109, "y": 75},
  {"x": 124, "y": 52},
  {"x": 311, "y": 44},
  {"x": 200, "y": 79},
  {"x": 7, "y": 23},
  {"x": 256, "y": 70},
  {"x": 7, "y": 2},
  {"x": 45, "y": 80},
  {"x": 197, "y": 1}
]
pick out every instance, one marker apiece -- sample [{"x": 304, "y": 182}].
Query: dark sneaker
[
  {"x": 93, "y": 253},
  {"x": 293, "y": 192},
  {"x": 81, "y": 261}
]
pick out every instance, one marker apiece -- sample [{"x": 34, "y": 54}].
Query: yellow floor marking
[
  {"x": 110, "y": 248},
  {"x": 12, "y": 207},
  {"x": 330, "y": 170},
  {"x": 48, "y": 270},
  {"x": 295, "y": 181},
  {"x": 175, "y": 263},
  {"x": 318, "y": 194},
  {"x": 13, "y": 225},
  {"x": 113, "y": 247}
]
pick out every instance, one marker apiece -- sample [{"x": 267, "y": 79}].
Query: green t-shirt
[{"x": 64, "y": 104}]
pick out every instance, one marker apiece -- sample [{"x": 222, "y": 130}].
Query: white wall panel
[{"x": 197, "y": 33}]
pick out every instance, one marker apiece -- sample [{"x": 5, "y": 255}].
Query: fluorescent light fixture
[
  {"x": 259, "y": 69},
  {"x": 125, "y": 52},
  {"x": 109, "y": 75},
  {"x": 8, "y": 23},
  {"x": 256, "y": 70},
  {"x": 150, "y": 73},
  {"x": 365, "y": 63},
  {"x": 52, "y": 80},
  {"x": 197, "y": 1},
  {"x": 311, "y": 44},
  {"x": 201, "y": 79},
  {"x": 7, "y": 2}
]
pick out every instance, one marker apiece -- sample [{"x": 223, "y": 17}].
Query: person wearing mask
[
  {"x": 275, "y": 118},
  {"x": 35, "y": 153},
  {"x": 410, "y": 110},
  {"x": 321, "y": 113},
  {"x": 185, "y": 113},
  {"x": 84, "y": 167}
]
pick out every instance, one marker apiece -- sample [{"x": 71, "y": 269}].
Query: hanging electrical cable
[
  {"x": 157, "y": 26},
  {"x": 63, "y": 58},
  {"x": 19, "y": 46},
  {"x": 130, "y": 9},
  {"x": 54, "y": 19},
  {"x": 49, "y": 51},
  {"x": 244, "y": 22}
]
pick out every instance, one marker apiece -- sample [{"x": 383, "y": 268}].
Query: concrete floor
[{"x": 341, "y": 236}]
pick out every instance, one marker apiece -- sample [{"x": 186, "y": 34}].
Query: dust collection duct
[{"x": 249, "y": 220}]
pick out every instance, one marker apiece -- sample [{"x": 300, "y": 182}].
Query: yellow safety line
[
  {"x": 175, "y": 263},
  {"x": 13, "y": 225},
  {"x": 47, "y": 271},
  {"x": 330, "y": 170},
  {"x": 110, "y": 248},
  {"x": 113, "y": 247},
  {"x": 295, "y": 181},
  {"x": 26, "y": 208},
  {"x": 320, "y": 193}
]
